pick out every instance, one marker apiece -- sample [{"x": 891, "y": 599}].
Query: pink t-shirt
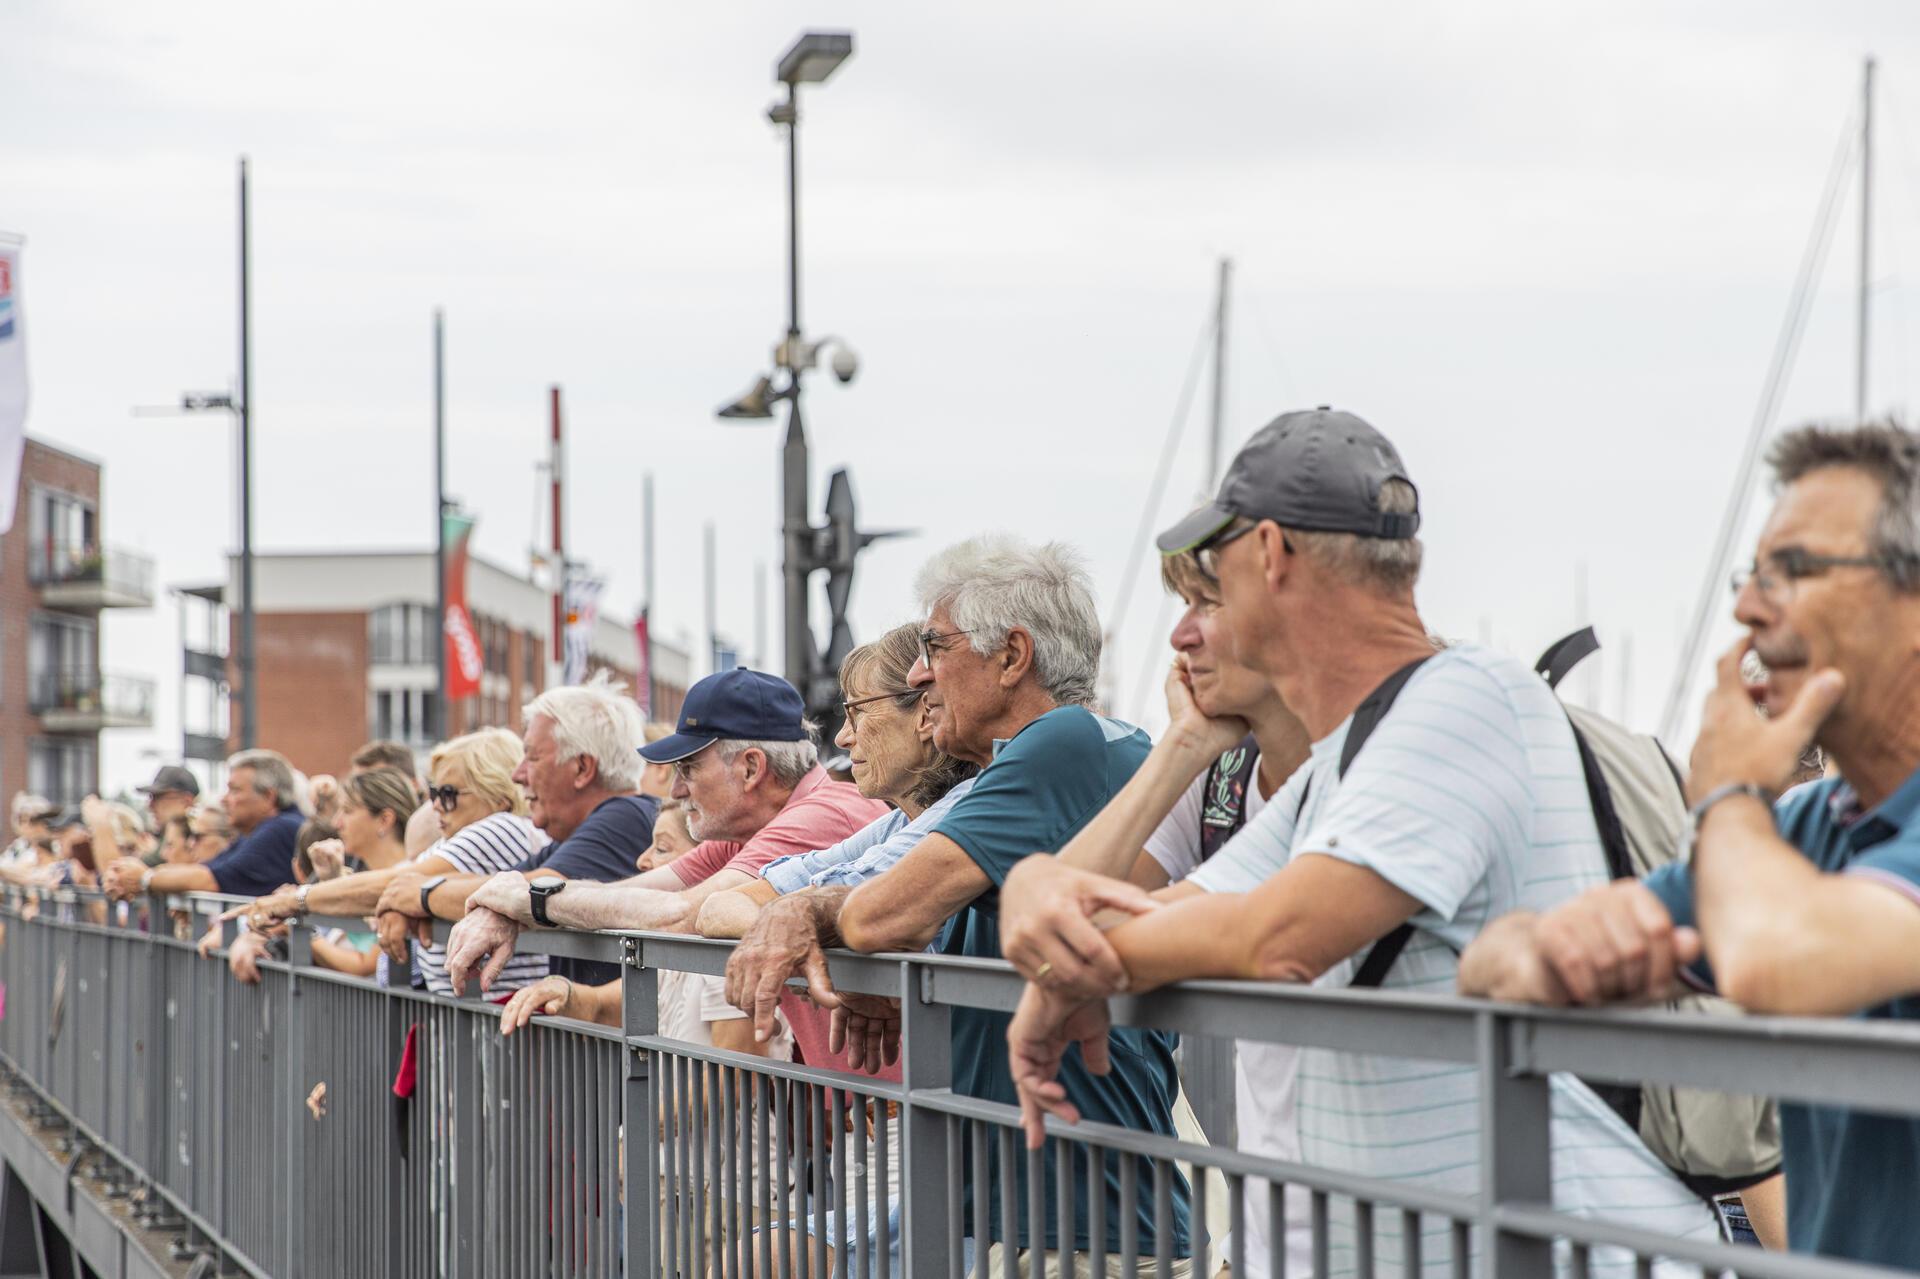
[{"x": 819, "y": 814}]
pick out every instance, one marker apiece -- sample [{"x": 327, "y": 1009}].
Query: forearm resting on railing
[
  {"x": 589, "y": 906},
  {"x": 729, "y": 914}
]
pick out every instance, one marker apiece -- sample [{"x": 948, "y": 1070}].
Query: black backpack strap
[
  {"x": 1564, "y": 654},
  {"x": 1366, "y": 718},
  {"x": 1613, "y": 836},
  {"x": 1223, "y": 796}
]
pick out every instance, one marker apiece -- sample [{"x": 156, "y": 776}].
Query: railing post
[
  {"x": 1516, "y": 1151},
  {"x": 640, "y": 1125},
  {"x": 926, "y": 1063},
  {"x": 294, "y": 1043}
]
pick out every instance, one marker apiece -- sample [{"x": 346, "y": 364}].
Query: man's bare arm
[
  {"x": 731, "y": 913},
  {"x": 904, "y": 908},
  {"x": 1784, "y": 936},
  {"x": 1285, "y": 930}
]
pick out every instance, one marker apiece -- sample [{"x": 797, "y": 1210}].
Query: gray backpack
[{"x": 1716, "y": 1143}]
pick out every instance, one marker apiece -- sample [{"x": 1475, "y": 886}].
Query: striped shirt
[
  {"x": 496, "y": 843},
  {"x": 1469, "y": 797}
]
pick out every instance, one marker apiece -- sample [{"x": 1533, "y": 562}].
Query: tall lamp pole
[
  {"x": 814, "y": 57},
  {"x": 249, "y": 695},
  {"x": 441, "y": 717}
]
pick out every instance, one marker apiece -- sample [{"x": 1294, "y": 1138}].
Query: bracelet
[
  {"x": 146, "y": 878},
  {"x": 1698, "y": 813},
  {"x": 563, "y": 977}
]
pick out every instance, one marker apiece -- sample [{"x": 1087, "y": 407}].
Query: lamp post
[{"x": 815, "y": 56}]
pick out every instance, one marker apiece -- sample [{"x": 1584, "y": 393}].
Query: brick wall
[
  {"x": 312, "y": 669},
  {"x": 19, "y": 599}
]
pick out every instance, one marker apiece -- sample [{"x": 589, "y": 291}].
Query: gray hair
[
  {"x": 599, "y": 720},
  {"x": 1883, "y": 450},
  {"x": 787, "y": 761},
  {"x": 272, "y": 775},
  {"x": 1389, "y": 564},
  {"x": 996, "y": 582}
]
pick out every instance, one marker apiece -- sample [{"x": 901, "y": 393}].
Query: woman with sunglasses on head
[{"x": 484, "y": 828}]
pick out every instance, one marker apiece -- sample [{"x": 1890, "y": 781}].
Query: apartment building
[{"x": 57, "y": 576}]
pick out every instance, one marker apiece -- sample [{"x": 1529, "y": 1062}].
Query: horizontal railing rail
[{"x": 263, "y": 1119}]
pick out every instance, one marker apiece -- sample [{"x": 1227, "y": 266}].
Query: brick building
[
  {"x": 56, "y": 577},
  {"x": 345, "y": 652}
]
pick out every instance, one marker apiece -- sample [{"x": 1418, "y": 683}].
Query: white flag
[
  {"x": 13, "y": 380},
  {"x": 583, "y": 611}
]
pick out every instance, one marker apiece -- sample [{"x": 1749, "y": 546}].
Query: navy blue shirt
[
  {"x": 1851, "y": 1174},
  {"x": 261, "y": 860},
  {"x": 605, "y": 847},
  {"x": 1043, "y": 785}
]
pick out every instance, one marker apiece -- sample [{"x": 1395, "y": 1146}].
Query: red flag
[{"x": 465, "y": 662}]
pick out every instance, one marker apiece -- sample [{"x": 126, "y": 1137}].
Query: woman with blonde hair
[{"x": 484, "y": 828}]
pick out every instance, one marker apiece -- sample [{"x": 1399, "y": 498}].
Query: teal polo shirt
[
  {"x": 1044, "y": 784},
  {"x": 1851, "y": 1174}
]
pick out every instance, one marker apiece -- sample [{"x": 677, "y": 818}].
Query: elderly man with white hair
[
  {"x": 1009, "y": 655},
  {"x": 581, "y": 774}
]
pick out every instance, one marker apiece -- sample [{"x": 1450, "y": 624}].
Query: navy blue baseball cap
[{"x": 735, "y": 705}]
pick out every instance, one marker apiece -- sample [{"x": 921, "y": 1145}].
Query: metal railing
[
  {"x": 84, "y": 691},
  {"x": 577, "y": 1149},
  {"x": 59, "y": 563}
]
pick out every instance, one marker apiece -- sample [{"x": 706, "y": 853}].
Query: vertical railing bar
[
  {"x": 1036, "y": 1175},
  {"x": 860, "y": 1145},
  {"x": 956, "y": 1207},
  {"x": 1009, "y": 1205},
  {"x": 782, "y": 1169},
  {"x": 1097, "y": 1209},
  {"x": 817, "y": 1140},
  {"x": 841, "y": 1109},
  {"x": 763, "y": 1172},
  {"x": 1163, "y": 1216},
  {"x": 1064, "y": 1156},
  {"x": 980, "y": 1189}
]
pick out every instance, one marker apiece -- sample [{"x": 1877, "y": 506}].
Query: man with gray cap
[
  {"x": 1443, "y": 788},
  {"x": 171, "y": 794}
]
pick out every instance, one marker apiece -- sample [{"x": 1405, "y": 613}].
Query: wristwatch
[
  {"x": 538, "y": 891},
  {"x": 300, "y": 899},
  {"x": 426, "y": 892},
  {"x": 1698, "y": 813}
]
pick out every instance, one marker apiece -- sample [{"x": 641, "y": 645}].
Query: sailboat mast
[
  {"x": 1215, "y": 423},
  {"x": 1866, "y": 239}
]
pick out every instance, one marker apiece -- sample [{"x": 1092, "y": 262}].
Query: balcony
[
  {"x": 87, "y": 577},
  {"x": 82, "y": 701}
]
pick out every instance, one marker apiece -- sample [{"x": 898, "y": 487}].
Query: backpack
[
  {"x": 1223, "y": 797},
  {"x": 1715, "y": 1143}
]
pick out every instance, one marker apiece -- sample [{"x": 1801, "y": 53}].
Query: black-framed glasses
[
  {"x": 903, "y": 698},
  {"x": 1792, "y": 564},
  {"x": 932, "y": 642},
  {"x": 445, "y": 798}
]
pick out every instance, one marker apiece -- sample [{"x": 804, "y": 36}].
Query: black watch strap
[
  {"x": 426, "y": 894},
  {"x": 537, "y": 893}
]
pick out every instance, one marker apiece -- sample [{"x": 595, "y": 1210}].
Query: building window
[
  {"x": 61, "y": 653},
  {"x": 61, "y": 768},
  {"x": 402, "y": 635},
  {"x": 404, "y": 715},
  {"x": 62, "y": 535}
]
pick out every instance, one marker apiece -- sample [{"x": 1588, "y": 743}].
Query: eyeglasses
[
  {"x": 903, "y": 698},
  {"x": 932, "y": 642},
  {"x": 683, "y": 768},
  {"x": 1206, "y": 556},
  {"x": 445, "y": 798},
  {"x": 1791, "y": 564}
]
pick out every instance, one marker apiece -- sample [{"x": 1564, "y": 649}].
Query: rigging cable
[{"x": 1786, "y": 348}]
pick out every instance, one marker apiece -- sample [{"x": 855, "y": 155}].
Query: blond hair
[{"x": 488, "y": 758}]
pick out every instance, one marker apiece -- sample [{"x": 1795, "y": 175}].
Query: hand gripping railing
[{"x": 576, "y": 1149}]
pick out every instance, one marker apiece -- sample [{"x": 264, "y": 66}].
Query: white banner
[
  {"x": 13, "y": 380},
  {"x": 583, "y": 610}
]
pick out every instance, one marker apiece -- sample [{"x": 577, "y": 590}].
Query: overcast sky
[{"x": 1545, "y": 248}]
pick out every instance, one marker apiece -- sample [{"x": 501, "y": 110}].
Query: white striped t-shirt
[
  {"x": 496, "y": 843},
  {"x": 1469, "y": 797}
]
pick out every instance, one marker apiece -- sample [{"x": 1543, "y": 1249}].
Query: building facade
[
  {"x": 57, "y": 575},
  {"x": 345, "y": 651}
]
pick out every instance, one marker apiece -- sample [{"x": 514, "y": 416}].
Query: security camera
[{"x": 845, "y": 362}]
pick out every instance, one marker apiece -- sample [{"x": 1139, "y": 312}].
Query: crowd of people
[{"x": 1341, "y": 798}]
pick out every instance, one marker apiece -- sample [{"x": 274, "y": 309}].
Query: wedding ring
[{"x": 1040, "y": 974}]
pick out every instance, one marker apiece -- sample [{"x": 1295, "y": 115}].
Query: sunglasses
[{"x": 445, "y": 798}]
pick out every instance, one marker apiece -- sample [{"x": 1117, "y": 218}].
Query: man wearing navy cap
[{"x": 746, "y": 767}]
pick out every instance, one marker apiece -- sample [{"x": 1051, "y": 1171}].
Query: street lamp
[
  {"x": 815, "y": 56},
  {"x": 227, "y": 402}
]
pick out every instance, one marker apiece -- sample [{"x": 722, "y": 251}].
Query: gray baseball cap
[
  {"x": 172, "y": 777},
  {"x": 1317, "y": 469}
]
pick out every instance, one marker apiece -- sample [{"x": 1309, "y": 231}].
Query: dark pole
[
  {"x": 440, "y": 718},
  {"x": 796, "y": 528},
  {"x": 249, "y": 701}
]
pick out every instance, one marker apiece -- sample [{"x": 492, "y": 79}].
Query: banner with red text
[{"x": 465, "y": 661}]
